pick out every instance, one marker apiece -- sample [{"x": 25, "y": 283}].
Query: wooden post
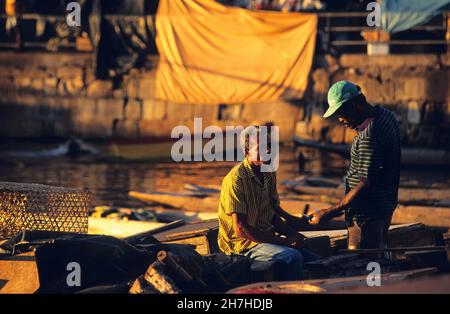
[
  {"x": 447, "y": 32},
  {"x": 377, "y": 41}
]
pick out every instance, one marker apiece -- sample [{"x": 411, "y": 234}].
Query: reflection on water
[{"x": 110, "y": 181}]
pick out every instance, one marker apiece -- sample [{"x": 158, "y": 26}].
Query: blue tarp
[{"x": 400, "y": 15}]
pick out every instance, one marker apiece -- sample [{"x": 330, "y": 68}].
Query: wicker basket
[{"x": 25, "y": 206}]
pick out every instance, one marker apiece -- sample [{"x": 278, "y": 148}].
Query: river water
[{"x": 110, "y": 181}]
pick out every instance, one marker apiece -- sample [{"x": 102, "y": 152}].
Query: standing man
[
  {"x": 251, "y": 221},
  {"x": 372, "y": 180}
]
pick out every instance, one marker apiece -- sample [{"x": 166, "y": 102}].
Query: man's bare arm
[
  {"x": 326, "y": 214},
  {"x": 244, "y": 230},
  {"x": 352, "y": 196}
]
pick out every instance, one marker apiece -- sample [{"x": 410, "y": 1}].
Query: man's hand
[{"x": 322, "y": 216}]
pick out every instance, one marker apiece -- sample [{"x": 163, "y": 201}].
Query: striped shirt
[
  {"x": 242, "y": 192},
  {"x": 375, "y": 156}
]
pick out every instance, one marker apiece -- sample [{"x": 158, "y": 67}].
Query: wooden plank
[
  {"x": 319, "y": 245},
  {"x": 191, "y": 227},
  {"x": 427, "y": 258},
  {"x": 338, "y": 238},
  {"x": 333, "y": 260},
  {"x": 416, "y": 234},
  {"x": 19, "y": 274},
  {"x": 120, "y": 228},
  {"x": 204, "y": 240},
  {"x": 135, "y": 237},
  {"x": 200, "y": 243},
  {"x": 187, "y": 234},
  {"x": 428, "y": 215}
]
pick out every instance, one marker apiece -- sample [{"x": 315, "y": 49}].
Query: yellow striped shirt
[{"x": 243, "y": 192}]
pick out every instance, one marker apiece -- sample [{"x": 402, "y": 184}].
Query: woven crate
[{"x": 38, "y": 207}]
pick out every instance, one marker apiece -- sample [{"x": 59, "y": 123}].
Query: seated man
[{"x": 251, "y": 221}]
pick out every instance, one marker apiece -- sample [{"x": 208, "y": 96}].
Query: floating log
[
  {"x": 198, "y": 189},
  {"x": 186, "y": 201}
]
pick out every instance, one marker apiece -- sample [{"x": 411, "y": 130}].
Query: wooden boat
[
  {"x": 146, "y": 148},
  {"x": 414, "y": 249},
  {"x": 330, "y": 274},
  {"x": 190, "y": 202},
  {"x": 403, "y": 235},
  {"x": 410, "y": 156}
]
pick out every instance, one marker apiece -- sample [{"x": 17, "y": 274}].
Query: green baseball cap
[{"x": 338, "y": 94}]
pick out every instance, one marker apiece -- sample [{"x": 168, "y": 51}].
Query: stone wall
[
  {"x": 56, "y": 95},
  {"x": 415, "y": 87}
]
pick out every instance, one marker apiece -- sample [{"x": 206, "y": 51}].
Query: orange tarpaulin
[
  {"x": 10, "y": 7},
  {"x": 210, "y": 53}
]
